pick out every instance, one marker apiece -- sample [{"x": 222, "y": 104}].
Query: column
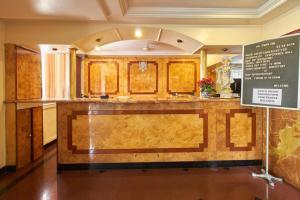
[
  {"x": 73, "y": 73},
  {"x": 203, "y": 65}
]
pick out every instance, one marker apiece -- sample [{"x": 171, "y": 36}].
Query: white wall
[
  {"x": 282, "y": 24},
  {"x": 2, "y": 108},
  {"x": 49, "y": 123}
]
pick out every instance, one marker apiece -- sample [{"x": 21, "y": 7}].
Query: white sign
[{"x": 267, "y": 96}]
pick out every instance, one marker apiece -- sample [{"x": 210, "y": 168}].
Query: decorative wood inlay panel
[
  {"x": 100, "y": 72},
  {"x": 181, "y": 77},
  {"x": 142, "y": 82},
  {"x": 37, "y": 132},
  {"x": 29, "y": 74},
  {"x": 240, "y": 128},
  {"x": 24, "y": 131},
  {"x": 138, "y": 131},
  {"x": 119, "y": 131}
]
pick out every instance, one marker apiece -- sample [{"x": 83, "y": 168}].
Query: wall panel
[
  {"x": 181, "y": 77},
  {"x": 29, "y": 74},
  {"x": 123, "y": 76},
  {"x": 285, "y": 145},
  {"x": 142, "y": 82},
  {"x": 103, "y": 77}
]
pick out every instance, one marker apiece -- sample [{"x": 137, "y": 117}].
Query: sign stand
[
  {"x": 265, "y": 172},
  {"x": 271, "y": 79}
]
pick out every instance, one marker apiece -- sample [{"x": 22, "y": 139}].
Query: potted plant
[{"x": 206, "y": 86}]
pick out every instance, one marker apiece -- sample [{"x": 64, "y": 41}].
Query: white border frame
[{"x": 275, "y": 107}]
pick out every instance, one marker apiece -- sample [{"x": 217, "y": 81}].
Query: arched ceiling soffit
[{"x": 175, "y": 39}]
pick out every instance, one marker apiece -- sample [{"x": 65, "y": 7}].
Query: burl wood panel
[
  {"x": 181, "y": 77},
  {"x": 285, "y": 145},
  {"x": 151, "y": 83},
  {"x": 37, "y": 132},
  {"x": 24, "y": 133},
  {"x": 240, "y": 130},
  {"x": 29, "y": 74},
  {"x": 145, "y": 128},
  {"x": 142, "y": 82},
  {"x": 103, "y": 75},
  {"x": 157, "y": 132},
  {"x": 11, "y": 133},
  {"x": 10, "y": 72}
]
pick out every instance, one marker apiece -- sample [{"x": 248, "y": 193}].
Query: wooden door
[
  {"x": 24, "y": 133},
  {"x": 37, "y": 132}
]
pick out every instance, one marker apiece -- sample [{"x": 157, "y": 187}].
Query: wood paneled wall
[
  {"x": 23, "y": 81},
  {"x": 23, "y": 73},
  {"x": 122, "y": 76}
]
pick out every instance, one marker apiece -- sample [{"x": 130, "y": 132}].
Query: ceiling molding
[
  {"x": 175, "y": 12},
  {"x": 118, "y": 34},
  {"x": 124, "y": 6},
  {"x": 139, "y": 53},
  {"x": 269, "y": 6},
  {"x": 104, "y": 9},
  {"x": 158, "y": 35},
  {"x": 197, "y": 49}
]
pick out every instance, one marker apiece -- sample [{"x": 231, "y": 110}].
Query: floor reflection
[{"x": 43, "y": 183}]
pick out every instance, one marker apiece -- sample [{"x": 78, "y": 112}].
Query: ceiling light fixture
[
  {"x": 143, "y": 66},
  {"x": 138, "y": 33}
]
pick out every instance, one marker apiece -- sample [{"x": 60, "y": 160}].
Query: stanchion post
[{"x": 265, "y": 172}]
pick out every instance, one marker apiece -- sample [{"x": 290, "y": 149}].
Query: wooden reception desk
[{"x": 110, "y": 133}]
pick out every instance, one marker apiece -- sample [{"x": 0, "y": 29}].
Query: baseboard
[
  {"x": 153, "y": 165},
  {"x": 50, "y": 144},
  {"x": 8, "y": 169}
]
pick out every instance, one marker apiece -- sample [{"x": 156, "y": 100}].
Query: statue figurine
[{"x": 224, "y": 79}]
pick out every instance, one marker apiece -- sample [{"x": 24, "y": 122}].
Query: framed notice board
[{"x": 271, "y": 73}]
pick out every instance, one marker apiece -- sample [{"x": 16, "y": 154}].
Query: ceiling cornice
[
  {"x": 124, "y": 6},
  {"x": 179, "y": 12}
]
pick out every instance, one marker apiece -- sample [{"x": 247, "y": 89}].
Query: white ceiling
[
  {"x": 52, "y": 9},
  {"x": 122, "y": 38},
  {"x": 147, "y": 11},
  {"x": 137, "y": 47}
]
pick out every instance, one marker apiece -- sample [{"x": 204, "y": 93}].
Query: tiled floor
[{"x": 40, "y": 181}]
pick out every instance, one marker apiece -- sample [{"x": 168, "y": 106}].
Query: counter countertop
[{"x": 133, "y": 100}]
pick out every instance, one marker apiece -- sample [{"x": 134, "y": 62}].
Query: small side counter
[{"x": 161, "y": 132}]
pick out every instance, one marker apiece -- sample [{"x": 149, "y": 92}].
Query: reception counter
[{"x": 112, "y": 133}]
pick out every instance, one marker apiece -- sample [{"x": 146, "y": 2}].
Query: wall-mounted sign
[{"x": 271, "y": 73}]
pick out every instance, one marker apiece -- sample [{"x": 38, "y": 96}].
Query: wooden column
[
  {"x": 73, "y": 73},
  {"x": 203, "y": 65}
]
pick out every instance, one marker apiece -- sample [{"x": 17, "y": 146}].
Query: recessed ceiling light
[
  {"x": 98, "y": 39},
  {"x": 225, "y": 49},
  {"x": 179, "y": 41},
  {"x": 54, "y": 49},
  {"x": 138, "y": 33}
]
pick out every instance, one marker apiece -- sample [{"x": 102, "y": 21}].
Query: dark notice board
[{"x": 271, "y": 73}]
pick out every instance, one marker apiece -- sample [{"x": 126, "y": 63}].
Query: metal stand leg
[{"x": 265, "y": 173}]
